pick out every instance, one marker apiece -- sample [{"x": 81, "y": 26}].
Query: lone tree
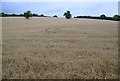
[
  {"x": 67, "y": 15},
  {"x": 27, "y": 14},
  {"x": 102, "y": 16}
]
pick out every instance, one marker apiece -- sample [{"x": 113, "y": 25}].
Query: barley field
[{"x": 59, "y": 48}]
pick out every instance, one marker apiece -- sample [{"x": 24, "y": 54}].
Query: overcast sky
[
  {"x": 59, "y": 0},
  {"x": 58, "y": 8}
]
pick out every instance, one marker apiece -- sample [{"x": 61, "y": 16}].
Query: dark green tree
[
  {"x": 102, "y": 16},
  {"x": 116, "y": 17},
  {"x": 42, "y": 15},
  {"x": 34, "y": 14},
  {"x": 67, "y": 15},
  {"x": 27, "y": 14},
  {"x": 55, "y": 16},
  {"x": 2, "y": 14},
  {"x": 21, "y": 14},
  {"x": 13, "y": 14}
]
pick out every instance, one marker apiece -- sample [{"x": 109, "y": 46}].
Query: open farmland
[{"x": 58, "y": 48}]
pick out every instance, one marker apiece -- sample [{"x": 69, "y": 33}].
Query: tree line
[
  {"x": 21, "y": 15},
  {"x": 103, "y": 17},
  {"x": 67, "y": 15}
]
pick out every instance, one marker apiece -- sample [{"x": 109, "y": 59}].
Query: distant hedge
[
  {"x": 20, "y": 15},
  {"x": 103, "y": 17}
]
